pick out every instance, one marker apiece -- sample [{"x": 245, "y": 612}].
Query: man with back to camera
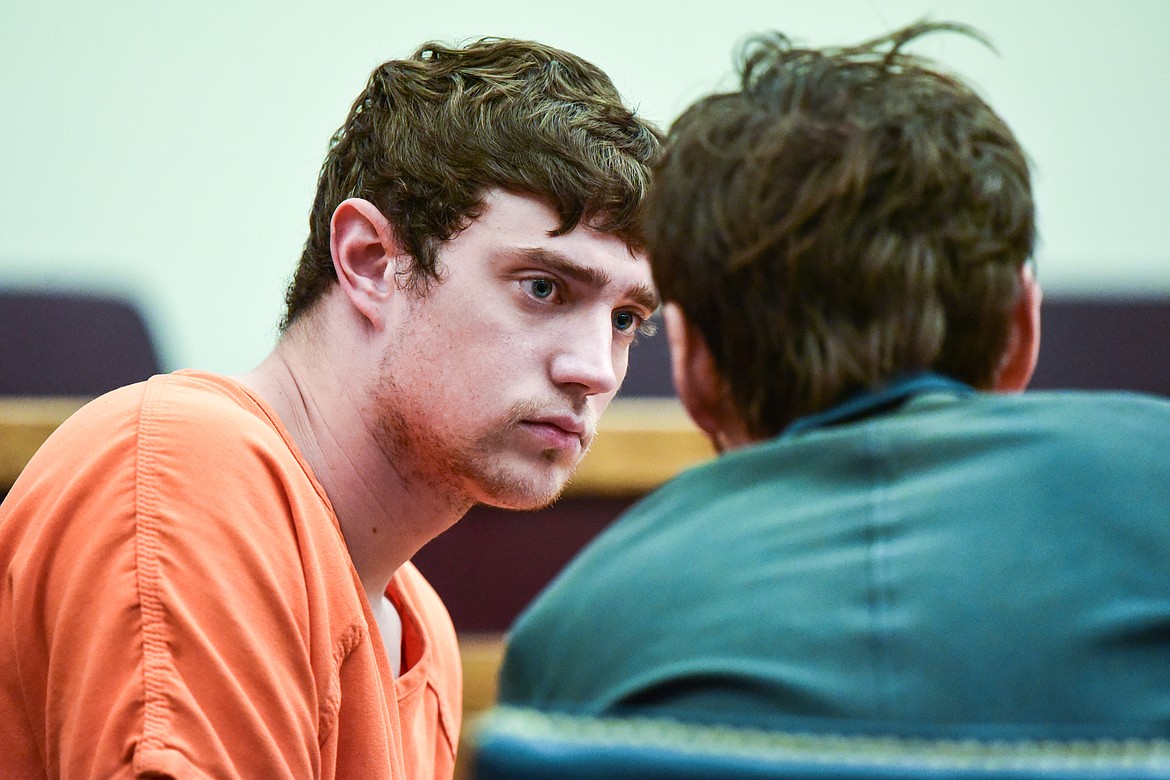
[
  {"x": 894, "y": 540},
  {"x": 210, "y": 576}
]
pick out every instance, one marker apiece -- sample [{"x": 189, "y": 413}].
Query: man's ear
[
  {"x": 364, "y": 249},
  {"x": 1023, "y": 347},
  {"x": 701, "y": 387}
]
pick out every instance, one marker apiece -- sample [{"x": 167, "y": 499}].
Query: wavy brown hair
[
  {"x": 848, "y": 215},
  {"x": 431, "y": 134}
]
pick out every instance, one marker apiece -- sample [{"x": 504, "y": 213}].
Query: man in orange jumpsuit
[{"x": 210, "y": 576}]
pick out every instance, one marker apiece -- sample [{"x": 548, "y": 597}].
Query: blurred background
[{"x": 168, "y": 151}]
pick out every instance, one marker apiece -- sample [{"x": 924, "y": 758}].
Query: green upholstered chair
[{"x": 519, "y": 744}]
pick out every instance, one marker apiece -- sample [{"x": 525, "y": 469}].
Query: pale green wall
[{"x": 170, "y": 149}]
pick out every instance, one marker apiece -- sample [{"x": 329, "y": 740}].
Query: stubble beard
[{"x": 467, "y": 470}]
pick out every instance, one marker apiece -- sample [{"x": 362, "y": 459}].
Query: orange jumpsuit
[{"x": 178, "y": 600}]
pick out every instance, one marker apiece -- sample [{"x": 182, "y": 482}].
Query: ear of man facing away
[
  {"x": 1023, "y": 346},
  {"x": 701, "y": 387}
]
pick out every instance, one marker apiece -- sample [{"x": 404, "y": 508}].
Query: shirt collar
[{"x": 880, "y": 399}]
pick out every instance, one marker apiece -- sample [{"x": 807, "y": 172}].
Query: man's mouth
[{"x": 560, "y": 431}]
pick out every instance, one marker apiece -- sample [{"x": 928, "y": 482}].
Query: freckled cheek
[{"x": 493, "y": 357}]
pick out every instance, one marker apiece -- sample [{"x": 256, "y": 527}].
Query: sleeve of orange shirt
[{"x": 164, "y": 598}]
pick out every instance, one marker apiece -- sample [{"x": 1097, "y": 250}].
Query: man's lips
[{"x": 561, "y": 429}]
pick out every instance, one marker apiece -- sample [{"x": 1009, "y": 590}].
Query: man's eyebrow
[{"x": 642, "y": 294}]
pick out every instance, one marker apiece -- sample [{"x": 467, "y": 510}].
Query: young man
[
  {"x": 894, "y": 540},
  {"x": 209, "y": 576}
]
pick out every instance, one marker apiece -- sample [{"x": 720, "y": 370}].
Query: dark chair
[
  {"x": 71, "y": 343},
  {"x": 519, "y": 744}
]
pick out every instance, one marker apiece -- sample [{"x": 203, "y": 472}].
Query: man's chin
[
  {"x": 524, "y": 483},
  {"x": 523, "y": 500},
  {"x": 524, "y": 491}
]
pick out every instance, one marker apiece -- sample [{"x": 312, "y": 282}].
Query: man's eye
[
  {"x": 626, "y": 321},
  {"x": 540, "y": 288}
]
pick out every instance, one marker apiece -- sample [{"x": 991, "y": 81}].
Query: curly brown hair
[
  {"x": 431, "y": 134},
  {"x": 847, "y": 216}
]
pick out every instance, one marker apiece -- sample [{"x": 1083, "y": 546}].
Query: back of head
[
  {"x": 847, "y": 216},
  {"x": 431, "y": 134}
]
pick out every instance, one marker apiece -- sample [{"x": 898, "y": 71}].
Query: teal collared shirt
[{"x": 922, "y": 560}]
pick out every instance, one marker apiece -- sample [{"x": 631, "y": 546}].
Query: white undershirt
[{"x": 390, "y": 627}]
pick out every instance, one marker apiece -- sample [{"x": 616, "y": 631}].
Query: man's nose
[{"x": 584, "y": 358}]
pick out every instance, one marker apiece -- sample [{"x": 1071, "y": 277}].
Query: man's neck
[{"x": 384, "y": 516}]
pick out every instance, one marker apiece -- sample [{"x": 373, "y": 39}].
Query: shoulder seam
[{"x": 149, "y": 572}]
